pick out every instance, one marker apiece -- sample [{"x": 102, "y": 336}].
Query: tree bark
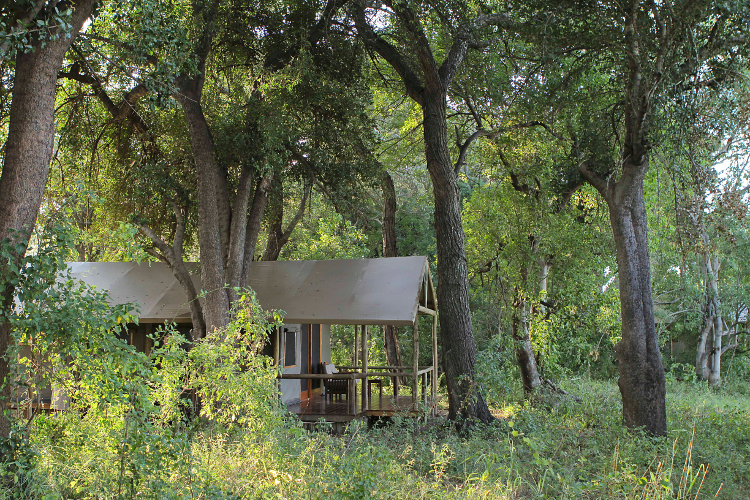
[
  {"x": 28, "y": 151},
  {"x": 390, "y": 332},
  {"x": 642, "y": 381},
  {"x": 456, "y": 331},
  {"x": 524, "y": 352},
  {"x": 216, "y": 308},
  {"x": 427, "y": 82}
]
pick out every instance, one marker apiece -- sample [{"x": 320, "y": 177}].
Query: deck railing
[{"x": 425, "y": 376}]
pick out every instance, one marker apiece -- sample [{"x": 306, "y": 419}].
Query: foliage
[
  {"x": 126, "y": 434},
  {"x": 234, "y": 382},
  {"x": 326, "y": 234},
  {"x": 572, "y": 451}
]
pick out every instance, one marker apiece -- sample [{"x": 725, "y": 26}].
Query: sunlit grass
[{"x": 535, "y": 450}]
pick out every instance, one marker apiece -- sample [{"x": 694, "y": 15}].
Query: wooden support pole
[
  {"x": 365, "y": 395},
  {"x": 426, "y": 310},
  {"x": 356, "y": 346},
  {"x": 276, "y": 336},
  {"x": 434, "y": 375},
  {"x": 415, "y": 363},
  {"x": 351, "y": 396}
]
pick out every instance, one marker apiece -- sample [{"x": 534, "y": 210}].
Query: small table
[{"x": 371, "y": 381}]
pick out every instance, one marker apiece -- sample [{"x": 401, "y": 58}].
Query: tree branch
[
  {"x": 392, "y": 56},
  {"x": 414, "y": 27},
  {"x": 492, "y": 134},
  {"x": 300, "y": 212},
  {"x": 166, "y": 254},
  {"x": 179, "y": 232},
  {"x": 125, "y": 110},
  {"x": 593, "y": 178},
  {"x": 157, "y": 255}
]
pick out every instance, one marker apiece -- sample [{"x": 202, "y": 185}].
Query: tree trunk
[
  {"x": 390, "y": 332},
  {"x": 701, "y": 355},
  {"x": 276, "y": 220},
  {"x": 714, "y": 375},
  {"x": 196, "y": 311},
  {"x": 28, "y": 151},
  {"x": 456, "y": 332},
  {"x": 277, "y": 235},
  {"x": 254, "y": 222},
  {"x": 389, "y": 215},
  {"x": 522, "y": 332},
  {"x": 427, "y": 83},
  {"x": 216, "y": 306},
  {"x": 641, "y": 382},
  {"x": 524, "y": 352}
]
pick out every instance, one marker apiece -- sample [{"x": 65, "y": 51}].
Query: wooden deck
[{"x": 337, "y": 410}]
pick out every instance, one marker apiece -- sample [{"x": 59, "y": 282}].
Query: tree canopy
[{"x": 576, "y": 173}]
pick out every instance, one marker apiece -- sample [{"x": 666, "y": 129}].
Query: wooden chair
[{"x": 334, "y": 387}]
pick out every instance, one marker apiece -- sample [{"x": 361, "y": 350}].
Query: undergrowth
[
  {"x": 577, "y": 450},
  {"x": 130, "y": 439}
]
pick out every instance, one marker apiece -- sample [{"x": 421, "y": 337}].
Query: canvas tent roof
[
  {"x": 353, "y": 291},
  {"x": 153, "y": 287}
]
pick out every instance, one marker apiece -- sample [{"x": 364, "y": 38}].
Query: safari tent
[{"x": 314, "y": 295}]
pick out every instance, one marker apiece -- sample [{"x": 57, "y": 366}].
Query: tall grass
[
  {"x": 576, "y": 450},
  {"x": 136, "y": 444}
]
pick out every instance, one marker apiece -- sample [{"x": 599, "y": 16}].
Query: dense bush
[{"x": 576, "y": 450}]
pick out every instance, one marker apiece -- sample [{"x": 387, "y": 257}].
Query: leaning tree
[{"x": 39, "y": 34}]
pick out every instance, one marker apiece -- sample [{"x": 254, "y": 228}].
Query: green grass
[{"x": 573, "y": 450}]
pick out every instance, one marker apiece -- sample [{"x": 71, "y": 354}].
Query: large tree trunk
[
  {"x": 212, "y": 252},
  {"x": 427, "y": 83},
  {"x": 28, "y": 151},
  {"x": 456, "y": 332},
  {"x": 641, "y": 382},
  {"x": 390, "y": 332}
]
